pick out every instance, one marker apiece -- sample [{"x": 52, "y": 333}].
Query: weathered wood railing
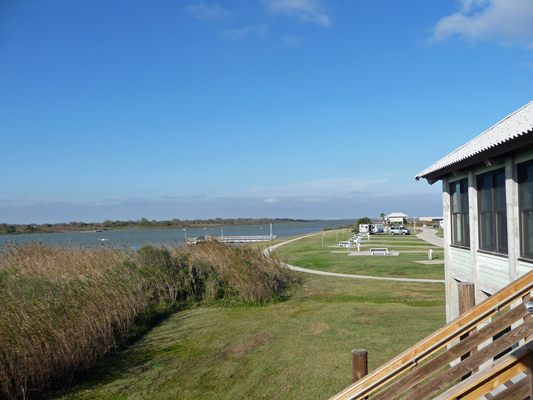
[{"x": 497, "y": 325}]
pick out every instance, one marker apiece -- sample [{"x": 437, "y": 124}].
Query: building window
[
  {"x": 459, "y": 208},
  {"x": 525, "y": 192},
  {"x": 492, "y": 211}
]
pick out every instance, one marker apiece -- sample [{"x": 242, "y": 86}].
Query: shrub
[{"x": 63, "y": 308}]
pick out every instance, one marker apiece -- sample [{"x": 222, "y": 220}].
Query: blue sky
[{"x": 265, "y": 108}]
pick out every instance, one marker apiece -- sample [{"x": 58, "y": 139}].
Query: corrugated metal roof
[
  {"x": 517, "y": 124},
  {"x": 396, "y": 214}
]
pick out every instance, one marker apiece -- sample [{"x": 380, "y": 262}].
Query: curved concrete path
[
  {"x": 429, "y": 235},
  {"x": 267, "y": 251}
]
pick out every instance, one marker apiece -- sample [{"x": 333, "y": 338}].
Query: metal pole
[
  {"x": 222, "y": 229},
  {"x": 270, "y": 231},
  {"x": 322, "y": 240}
]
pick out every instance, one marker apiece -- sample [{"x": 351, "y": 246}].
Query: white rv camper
[{"x": 370, "y": 229}]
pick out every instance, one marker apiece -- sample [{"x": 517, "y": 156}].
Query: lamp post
[
  {"x": 205, "y": 233},
  {"x": 222, "y": 231},
  {"x": 322, "y": 240},
  {"x": 185, "y": 231}
]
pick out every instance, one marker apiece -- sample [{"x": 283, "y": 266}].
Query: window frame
[
  {"x": 525, "y": 231},
  {"x": 462, "y": 214},
  {"x": 491, "y": 217}
]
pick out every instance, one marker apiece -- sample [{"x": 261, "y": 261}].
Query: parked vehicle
[
  {"x": 371, "y": 228},
  {"x": 400, "y": 230},
  {"x": 364, "y": 228}
]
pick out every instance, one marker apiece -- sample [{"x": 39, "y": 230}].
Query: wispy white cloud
[
  {"x": 307, "y": 207},
  {"x": 305, "y": 10},
  {"x": 290, "y": 40},
  {"x": 505, "y": 21},
  {"x": 214, "y": 11},
  {"x": 324, "y": 187},
  {"x": 234, "y": 34},
  {"x": 526, "y": 64}
]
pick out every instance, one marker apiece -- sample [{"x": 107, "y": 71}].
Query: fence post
[
  {"x": 530, "y": 376},
  {"x": 359, "y": 364},
  {"x": 467, "y": 300},
  {"x": 467, "y": 296}
]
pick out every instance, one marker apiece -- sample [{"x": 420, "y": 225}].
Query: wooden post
[
  {"x": 467, "y": 300},
  {"x": 467, "y": 296},
  {"x": 359, "y": 364},
  {"x": 530, "y": 377},
  {"x": 413, "y": 368}
]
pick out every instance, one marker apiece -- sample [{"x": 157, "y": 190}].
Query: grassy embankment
[
  {"x": 299, "y": 348},
  {"x": 309, "y": 253},
  {"x": 63, "y": 309}
]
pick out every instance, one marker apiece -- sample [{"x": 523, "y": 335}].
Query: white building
[
  {"x": 397, "y": 218},
  {"x": 487, "y": 187}
]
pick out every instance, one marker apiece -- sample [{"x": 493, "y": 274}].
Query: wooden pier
[
  {"x": 195, "y": 240},
  {"x": 245, "y": 239},
  {"x": 231, "y": 239}
]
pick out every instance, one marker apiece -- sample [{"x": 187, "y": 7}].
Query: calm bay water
[{"x": 137, "y": 238}]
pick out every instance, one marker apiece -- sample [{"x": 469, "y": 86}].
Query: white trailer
[
  {"x": 364, "y": 228},
  {"x": 370, "y": 228}
]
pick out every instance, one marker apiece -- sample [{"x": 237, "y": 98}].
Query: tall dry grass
[{"x": 62, "y": 308}]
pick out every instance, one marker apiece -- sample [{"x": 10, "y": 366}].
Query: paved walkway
[
  {"x": 267, "y": 251},
  {"x": 429, "y": 235}
]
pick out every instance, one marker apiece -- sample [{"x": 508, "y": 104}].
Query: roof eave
[{"x": 486, "y": 156}]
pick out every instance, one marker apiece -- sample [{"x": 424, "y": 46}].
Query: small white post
[{"x": 430, "y": 254}]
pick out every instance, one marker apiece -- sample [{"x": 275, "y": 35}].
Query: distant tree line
[{"x": 143, "y": 223}]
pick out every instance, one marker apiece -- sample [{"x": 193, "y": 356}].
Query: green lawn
[
  {"x": 296, "y": 349},
  {"x": 309, "y": 253},
  {"x": 299, "y": 348}
]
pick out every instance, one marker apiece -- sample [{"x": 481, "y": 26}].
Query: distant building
[
  {"x": 487, "y": 188},
  {"x": 396, "y": 218},
  {"x": 431, "y": 219}
]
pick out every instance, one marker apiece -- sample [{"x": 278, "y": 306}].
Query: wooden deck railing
[{"x": 445, "y": 366}]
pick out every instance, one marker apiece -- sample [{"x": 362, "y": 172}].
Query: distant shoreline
[{"x": 15, "y": 229}]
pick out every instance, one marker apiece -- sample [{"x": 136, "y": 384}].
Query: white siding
[
  {"x": 494, "y": 269},
  {"x": 461, "y": 260},
  {"x": 524, "y": 267}
]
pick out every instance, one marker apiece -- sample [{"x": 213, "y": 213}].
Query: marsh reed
[{"x": 63, "y": 308}]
